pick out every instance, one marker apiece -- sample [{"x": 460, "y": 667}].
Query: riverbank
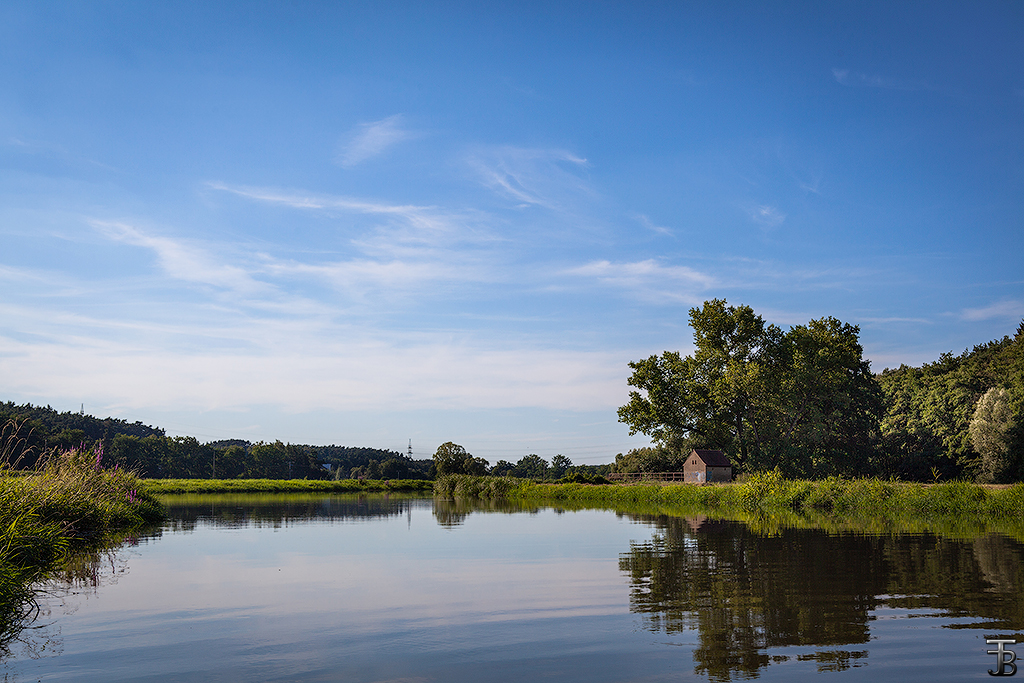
[
  {"x": 769, "y": 496},
  {"x": 162, "y": 486},
  {"x": 70, "y": 501}
]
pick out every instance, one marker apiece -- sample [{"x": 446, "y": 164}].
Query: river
[{"x": 401, "y": 589}]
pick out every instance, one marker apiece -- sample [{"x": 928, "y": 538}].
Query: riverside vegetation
[
  {"x": 768, "y": 500},
  {"x": 68, "y": 502}
]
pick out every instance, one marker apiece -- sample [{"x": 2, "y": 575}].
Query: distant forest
[{"x": 148, "y": 451}]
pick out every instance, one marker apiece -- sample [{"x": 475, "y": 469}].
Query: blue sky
[{"x": 364, "y": 223}]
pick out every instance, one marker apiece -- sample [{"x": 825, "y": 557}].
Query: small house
[{"x": 707, "y": 466}]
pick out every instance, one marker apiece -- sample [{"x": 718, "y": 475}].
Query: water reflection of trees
[
  {"x": 744, "y": 593},
  {"x": 277, "y": 510},
  {"x": 452, "y": 512},
  {"x": 239, "y": 510}
]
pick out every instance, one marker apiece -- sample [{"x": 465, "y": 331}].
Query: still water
[{"x": 408, "y": 590}]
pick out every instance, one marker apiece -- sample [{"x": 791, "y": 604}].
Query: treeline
[
  {"x": 148, "y": 452},
  {"x": 44, "y": 429},
  {"x": 805, "y": 402},
  {"x": 349, "y": 462},
  {"x": 185, "y": 458},
  {"x": 452, "y": 459}
]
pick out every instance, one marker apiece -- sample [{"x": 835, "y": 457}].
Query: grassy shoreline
[
  {"x": 164, "y": 486},
  {"x": 69, "y": 502},
  {"x": 857, "y": 503}
]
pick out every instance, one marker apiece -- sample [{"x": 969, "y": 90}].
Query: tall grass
[{"x": 68, "y": 500}]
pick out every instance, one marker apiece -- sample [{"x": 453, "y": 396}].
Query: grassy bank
[
  {"x": 161, "y": 486},
  {"x": 68, "y": 501},
  {"x": 770, "y": 496}
]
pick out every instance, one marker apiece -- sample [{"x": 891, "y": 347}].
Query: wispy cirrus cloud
[
  {"x": 416, "y": 251},
  {"x": 300, "y": 200},
  {"x": 405, "y": 231},
  {"x": 360, "y": 276},
  {"x": 857, "y": 79},
  {"x": 650, "y": 225},
  {"x": 766, "y": 215},
  {"x": 532, "y": 177},
  {"x": 1001, "y": 309},
  {"x": 182, "y": 260},
  {"x": 371, "y": 139},
  {"x": 649, "y": 279}
]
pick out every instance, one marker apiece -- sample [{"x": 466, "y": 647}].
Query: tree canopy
[
  {"x": 803, "y": 400},
  {"x": 451, "y": 458},
  {"x": 926, "y": 431}
]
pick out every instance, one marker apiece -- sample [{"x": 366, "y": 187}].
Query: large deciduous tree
[
  {"x": 990, "y": 431},
  {"x": 451, "y": 458},
  {"x": 803, "y": 400}
]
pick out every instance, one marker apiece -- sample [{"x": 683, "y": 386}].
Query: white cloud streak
[
  {"x": 767, "y": 216},
  {"x": 371, "y": 139},
  {"x": 405, "y": 231},
  {"x": 861, "y": 80},
  {"x": 1000, "y": 309},
  {"x": 647, "y": 223},
  {"x": 648, "y": 279},
  {"x": 180, "y": 260},
  {"x": 532, "y": 177}
]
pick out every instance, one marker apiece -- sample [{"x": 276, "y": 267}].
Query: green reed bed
[
  {"x": 768, "y": 500},
  {"x": 162, "y": 486},
  {"x": 69, "y": 501}
]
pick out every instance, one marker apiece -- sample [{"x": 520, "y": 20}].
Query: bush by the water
[
  {"x": 582, "y": 477},
  {"x": 472, "y": 486}
]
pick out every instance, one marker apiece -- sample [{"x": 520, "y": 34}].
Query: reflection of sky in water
[
  {"x": 380, "y": 598},
  {"x": 395, "y": 595}
]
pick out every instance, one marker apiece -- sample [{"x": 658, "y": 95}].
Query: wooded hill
[
  {"x": 926, "y": 432},
  {"x": 149, "y": 452}
]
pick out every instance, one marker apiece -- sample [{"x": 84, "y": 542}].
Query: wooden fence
[{"x": 636, "y": 477}]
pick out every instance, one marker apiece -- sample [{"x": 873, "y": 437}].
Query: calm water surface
[{"x": 407, "y": 590}]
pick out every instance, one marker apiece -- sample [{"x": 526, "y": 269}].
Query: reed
[{"x": 69, "y": 500}]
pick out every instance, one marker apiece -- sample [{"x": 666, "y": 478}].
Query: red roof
[{"x": 713, "y": 458}]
